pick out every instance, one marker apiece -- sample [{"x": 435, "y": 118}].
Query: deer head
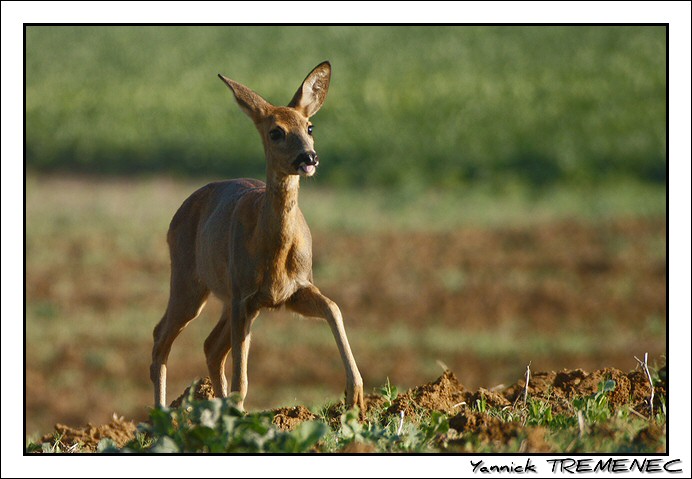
[{"x": 286, "y": 131}]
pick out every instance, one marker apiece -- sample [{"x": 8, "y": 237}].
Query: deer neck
[{"x": 281, "y": 210}]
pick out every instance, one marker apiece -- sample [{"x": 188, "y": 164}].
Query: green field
[{"x": 408, "y": 106}]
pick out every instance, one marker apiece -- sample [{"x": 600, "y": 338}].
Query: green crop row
[{"x": 433, "y": 106}]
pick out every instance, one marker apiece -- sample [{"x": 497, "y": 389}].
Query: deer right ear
[
  {"x": 250, "y": 102},
  {"x": 311, "y": 94}
]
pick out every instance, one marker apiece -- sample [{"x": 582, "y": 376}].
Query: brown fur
[{"x": 248, "y": 244}]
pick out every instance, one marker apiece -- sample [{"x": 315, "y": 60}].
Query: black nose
[{"x": 307, "y": 158}]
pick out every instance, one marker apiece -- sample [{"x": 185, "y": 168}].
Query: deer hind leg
[
  {"x": 309, "y": 301},
  {"x": 186, "y": 301},
  {"x": 216, "y": 349}
]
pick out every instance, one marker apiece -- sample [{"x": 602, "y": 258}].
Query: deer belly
[
  {"x": 276, "y": 295},
  {"x": 213, "y": 266}
]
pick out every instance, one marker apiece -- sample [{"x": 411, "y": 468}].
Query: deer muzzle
[{"x": 306, "y": 163}]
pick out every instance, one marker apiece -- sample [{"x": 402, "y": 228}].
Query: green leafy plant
[
  {"x": 481, "y": 404},
  {"x": 437, "y": 425},
  {"x": 416, "y": 435},
  {"x": 218, "y": 426},
  {"x": 389, "y": 393},
  {"x": 106, "y": 444},
  {"x": 596, "y": 408},
  {"x": 539, "y": 412}
]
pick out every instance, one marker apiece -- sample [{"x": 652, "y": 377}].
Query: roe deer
[{"x": 247, "y": 243}]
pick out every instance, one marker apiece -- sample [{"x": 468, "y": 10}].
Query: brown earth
[
  {"x": 87, "y": 438},
  {"x": 567, "y": 270},
  {"x": 447, "y": 395},
  {"x": 596, "y": 289}
]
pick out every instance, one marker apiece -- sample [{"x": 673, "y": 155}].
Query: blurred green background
[{"x": 435, "y": 106}]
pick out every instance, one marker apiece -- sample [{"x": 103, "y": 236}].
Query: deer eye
[
  {"x": 310, "y": 130},
  {"x": 277, "y": 134}
]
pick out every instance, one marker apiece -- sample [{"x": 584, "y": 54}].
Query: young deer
[{"x": 248, "y": 243}]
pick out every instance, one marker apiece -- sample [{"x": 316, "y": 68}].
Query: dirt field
[
  {"x": 484, "y": 301},
  {"x": 448, "y": 396}
]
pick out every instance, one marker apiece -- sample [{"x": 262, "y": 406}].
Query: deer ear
[
  {"x": 311, "y": 94},
  {"x": 250, "y": 102}
]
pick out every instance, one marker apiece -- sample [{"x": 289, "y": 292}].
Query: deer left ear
[
  {"x": 311, "y": 94},
  {"x": 250, "y": 102}
]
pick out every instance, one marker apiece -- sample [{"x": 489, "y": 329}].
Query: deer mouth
[
  {"x": 306, "y": 167},
  {"x": 307, "y": 170}
]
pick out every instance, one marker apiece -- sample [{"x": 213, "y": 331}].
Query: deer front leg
[{"x": 309, "y": 301}]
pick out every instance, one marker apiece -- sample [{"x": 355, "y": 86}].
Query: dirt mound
[
  {"x": 490, "y": 429},
  {"x": 287, "y": 418},
  {"x": 87, "y": 438},
  {"x": 491, "y": 398},
  {"x": 203, "y": 391},
  {"x": 561, "y": 387},
  {"x": 443, "y": 395}
]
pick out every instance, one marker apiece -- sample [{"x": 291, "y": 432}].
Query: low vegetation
[{"x": 420, "y": 420}]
